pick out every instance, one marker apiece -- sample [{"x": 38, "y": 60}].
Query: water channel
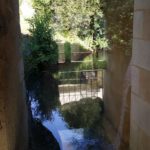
[{"x": 73, "y": 114}]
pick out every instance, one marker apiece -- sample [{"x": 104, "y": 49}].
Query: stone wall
[
  {"x": 117, "y": 86},
  {"x": 117, "y": 98},
  {"x": 140, "y": 106},
  {"x": 13, "y": 116}
]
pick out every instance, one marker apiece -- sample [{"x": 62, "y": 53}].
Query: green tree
[
  {"x": 119, "y": 18},
  {"x": 41, "y": 59},
  {"x": 81, "y": 18},
  {"x": 43, "y": 47}
]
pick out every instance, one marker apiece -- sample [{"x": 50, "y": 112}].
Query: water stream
[
  {"x": 74, "y": 132},
  {"x": 74, "y": 116}
]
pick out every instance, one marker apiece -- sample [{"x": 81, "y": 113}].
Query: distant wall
[
  {"x": 77, "y": 53},
  {"x": 140, "y": 106},
  {"x": 13, "y": 115}
]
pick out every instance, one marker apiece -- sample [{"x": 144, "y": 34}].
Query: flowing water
[
  {"x": 74, "y": 132},
  {"x": 74, "y": 116}
]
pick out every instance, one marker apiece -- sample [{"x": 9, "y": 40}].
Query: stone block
[
  {"x": 140, "y": 111},
  {"x": 138, "y": 24},
  {"x": 141, "y": 53},
  {"x": 141, "y": 24},
  {"x": 142, "y": 4},
  {"x": 141, "y": 83},
  {"x": 146, "y": 25},
  {"x": 139, "y": 139}
]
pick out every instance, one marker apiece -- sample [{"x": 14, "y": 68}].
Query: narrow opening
[{"x": 70, "y": 48}]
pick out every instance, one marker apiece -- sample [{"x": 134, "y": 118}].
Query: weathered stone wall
[
  {"x": 117, "y": 87},
  {"x": 117, "y": 98},
  {"x": 13, "y": 117},
  {"x": 140, "y": 106}
]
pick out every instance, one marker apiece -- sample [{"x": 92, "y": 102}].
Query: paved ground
[{"x": 76, "y": 96}]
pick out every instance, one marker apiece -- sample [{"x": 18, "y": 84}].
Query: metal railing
[{"x": 76, "y": 85}]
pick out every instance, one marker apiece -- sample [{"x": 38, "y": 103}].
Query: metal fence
[{"x": 76, "y": 85}]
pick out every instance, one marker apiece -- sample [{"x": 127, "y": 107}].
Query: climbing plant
[{"x": 67, "y": 51}]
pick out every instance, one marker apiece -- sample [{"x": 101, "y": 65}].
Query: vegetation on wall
[
  {"x": 89, "y": 64},
  {"x": 67, "y": 51}
]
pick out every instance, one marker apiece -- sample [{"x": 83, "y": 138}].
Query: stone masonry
[
  {"x": 140, "y": 103},
  {"x": 13, "y": 114}
]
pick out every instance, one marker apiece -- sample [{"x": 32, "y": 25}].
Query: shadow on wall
[{"x": 116, "y": 96}]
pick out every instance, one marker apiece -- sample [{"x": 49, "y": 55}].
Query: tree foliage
[
  {"x": 41, "y": 58},
  {"x": 119, "y": 17},
  {"x": 43, "y": 47},
  {"x": 42, "y": 50},
  {"x": 82, "y": 18}
]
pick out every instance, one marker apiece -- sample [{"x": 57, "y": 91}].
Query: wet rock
[{"x": 41, "y": 138}]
